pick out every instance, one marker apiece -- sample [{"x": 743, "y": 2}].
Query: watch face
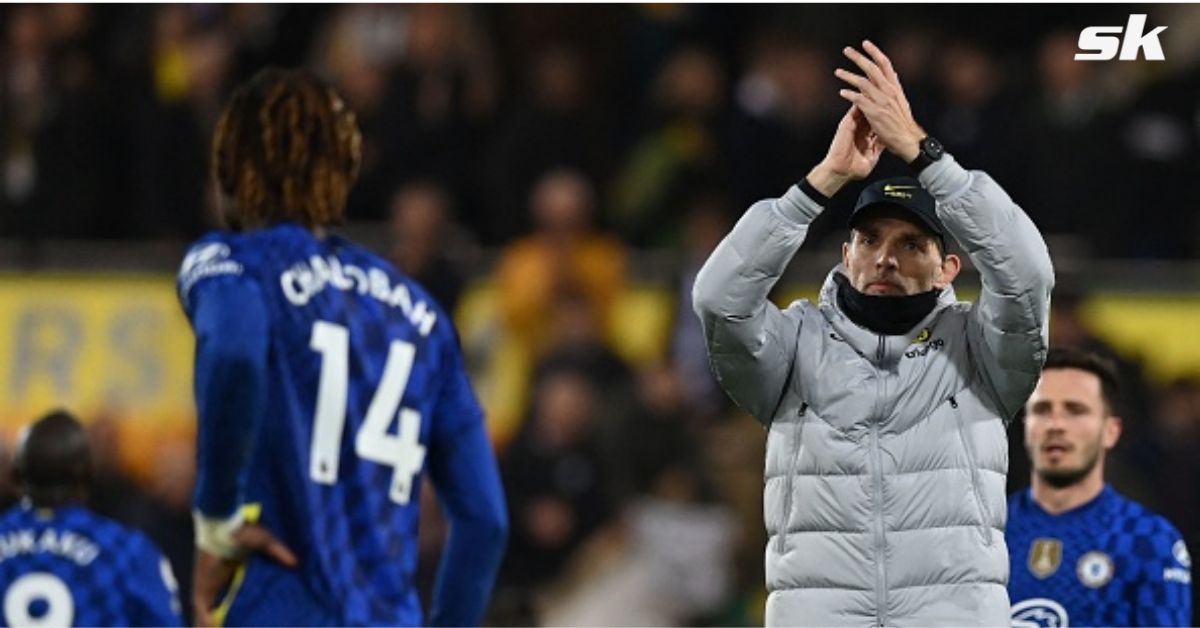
[{"x": 932, "y": 148}]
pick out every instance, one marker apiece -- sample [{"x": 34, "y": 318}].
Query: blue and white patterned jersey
[
  {"x": 70, "y": 567},
  {"x": 359, "y": 389},
  {"x": 1109, "y": 562}
]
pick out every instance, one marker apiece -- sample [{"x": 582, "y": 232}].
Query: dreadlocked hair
[{"x": 286, "y": 148}]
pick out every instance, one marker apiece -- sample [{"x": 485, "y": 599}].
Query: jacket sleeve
[
  {"x": 751, "y": 343},
  {"x": 1009, "y": 327}
]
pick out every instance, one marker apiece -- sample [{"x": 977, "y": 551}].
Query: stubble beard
[{"x": 1062, "y": 477}]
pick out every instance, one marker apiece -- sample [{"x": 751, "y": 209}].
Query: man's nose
[
  {"x": 1055, "y": 422},
  {"x": 886, "y": 257}
]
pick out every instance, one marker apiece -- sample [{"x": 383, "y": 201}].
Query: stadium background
[{"x": 556, "y": 174}]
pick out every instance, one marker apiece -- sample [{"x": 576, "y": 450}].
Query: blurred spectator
[
  {"x": 667, "y": 562},
  {"x": 420, "y": 222},
  {"x": 190, "y": 58},
  {"x": 360, "y": 48},
  {"x": 564, "y": 253},
  {"x": 1177, "y": 436},
  {"x": 52, "y": 127},
  {"x": 684, "y": 146},
  {"x": 975, "y": 121},
  {"x": 659, "y": 436},
  {"x": 557, "y": 123},
  {"x": 25, "y": 91},
  {"x": 577, "y": 344},
  {"x": 1160, "y": 144},
  {"x": 164, "y": 513},
  {"x": 10, "y": 493},
  {"x": 421, "y": 80},
  {"x": 1066, "y": 153},
  {"x": 787, "y": 108},
  {"x": 114, "y": 494},
  {"x": 564, "y": 256},
  {"x": 668, "y": 559},
  {"x": 913, "y": 47},
  {"x": 439, "y": 101},
  {"x": 171, "y": 524},
  {"x": 657, "y": 31},
  {"x": 554, "y": 479},
  {"x": 707, "y": 221}
]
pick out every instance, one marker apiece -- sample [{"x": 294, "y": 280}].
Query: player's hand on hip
[
  {"x": 253, "y": 538},
  {"x": 852, "y": 155},
  {"x": 213, "y": 573},
  {"x": 877, "y": 92}
]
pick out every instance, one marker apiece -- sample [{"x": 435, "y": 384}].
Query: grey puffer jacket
[{"x": 886, "y": 455}]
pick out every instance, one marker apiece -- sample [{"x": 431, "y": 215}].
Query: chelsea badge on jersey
[{"x": 1095, "y": 569}]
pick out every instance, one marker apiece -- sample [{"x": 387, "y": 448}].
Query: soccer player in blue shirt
[
  {"x": 1081, "y": 554},
  {"x": 327, "y": 383},
  {"x": 60, "y": 564}
]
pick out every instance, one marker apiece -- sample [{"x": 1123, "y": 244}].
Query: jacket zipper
[
  {"x": 986, "y": 528},
  {"x": 880, "y": 553},
  {"x": 877, "y": 504},
  {"x": 781, "y": 543}
]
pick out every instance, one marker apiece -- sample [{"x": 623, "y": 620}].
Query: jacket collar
[{"x": 879, "y": 349}]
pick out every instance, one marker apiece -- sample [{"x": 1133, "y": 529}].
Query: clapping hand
[{"x": 878, "y": 94}]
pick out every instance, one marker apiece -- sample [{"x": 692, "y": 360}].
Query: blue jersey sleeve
[
  {"x": 153, "y": 598},
  {"x": 1165, "y": 599},
  {"x": 464, "y": 471},
  {"x": 230, "y": 321}
]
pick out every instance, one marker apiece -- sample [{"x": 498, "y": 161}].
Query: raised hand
[
  {"x": 880, "y": 96},
  {"x": 852, "y": 155}
]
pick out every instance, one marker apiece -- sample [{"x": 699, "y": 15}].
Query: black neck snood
[{"x": 888, "y": 315}]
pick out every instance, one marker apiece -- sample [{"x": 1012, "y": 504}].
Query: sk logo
[
  {"x": 1102, "y": 42},
  {"x": 898, "y": 191},
  {"x": 1045, "y": 555}
]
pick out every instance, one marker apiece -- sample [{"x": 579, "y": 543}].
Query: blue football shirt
[
  {"x": 70, "y": 567},
  {"x": 1109, "y": 562},
  {"x": 326, "y": 384}
]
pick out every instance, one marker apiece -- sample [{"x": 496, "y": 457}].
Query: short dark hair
[
  {"x": 1093, "y": 362},
  {"x": 53, "y": 460}
]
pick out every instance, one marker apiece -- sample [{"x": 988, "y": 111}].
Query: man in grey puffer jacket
[{"x": 886, "y": 401}]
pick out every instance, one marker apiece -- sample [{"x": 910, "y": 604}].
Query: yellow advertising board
[
  {"x": 120, "y": 345},
  {"x": 113, "y": 344}
]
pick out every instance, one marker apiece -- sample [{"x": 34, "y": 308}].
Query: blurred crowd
[
  {"x": 563, "y": 137},
  {"x": 106, "y": 112}
]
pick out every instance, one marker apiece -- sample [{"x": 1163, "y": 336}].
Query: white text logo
[{"x": 1102, "y": 42}]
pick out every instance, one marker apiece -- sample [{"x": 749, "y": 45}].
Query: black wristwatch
[{"x": 929, "y": 151}]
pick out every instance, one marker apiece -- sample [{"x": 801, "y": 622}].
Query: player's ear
[
  {"x": 1112, "y": 431},
  {"x": 951, "y": 266}
]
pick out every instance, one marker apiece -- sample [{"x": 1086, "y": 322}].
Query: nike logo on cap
[{"x": 898, "y": 191}]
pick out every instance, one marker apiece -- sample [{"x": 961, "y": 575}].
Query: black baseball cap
[{"x": 905, "y": 193}]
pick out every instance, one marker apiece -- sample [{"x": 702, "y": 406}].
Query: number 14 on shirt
[{"x": 403, "y": 452}]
